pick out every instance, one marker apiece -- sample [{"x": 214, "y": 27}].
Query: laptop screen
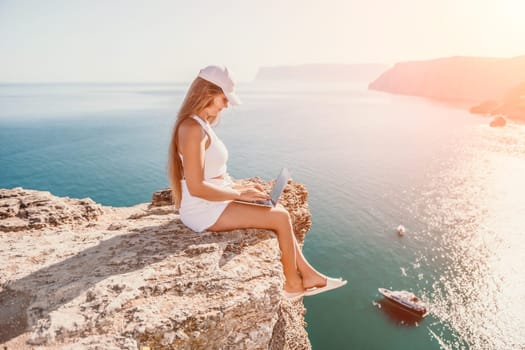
[{"x": 280, "y": 184}]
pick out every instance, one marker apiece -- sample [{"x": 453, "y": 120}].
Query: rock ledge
[{"x": 79, "y": 275}]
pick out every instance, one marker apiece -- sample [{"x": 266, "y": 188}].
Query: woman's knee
[{"x": 281, "y": 217}]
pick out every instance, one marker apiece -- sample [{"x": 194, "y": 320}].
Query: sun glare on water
[{"x": 479, "y": 289}]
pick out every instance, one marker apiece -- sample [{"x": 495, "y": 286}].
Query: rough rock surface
[
  {"x": 26, "y": 209},
  {"x": 78, "y": 275}
]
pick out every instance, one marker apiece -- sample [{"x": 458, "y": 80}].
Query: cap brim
[{"x": 233, "y": 99}]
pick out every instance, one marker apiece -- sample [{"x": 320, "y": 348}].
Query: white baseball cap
[{"x": 220, "y": 76}]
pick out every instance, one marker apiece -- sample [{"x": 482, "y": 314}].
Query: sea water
[{"x": 371, "y": 161}]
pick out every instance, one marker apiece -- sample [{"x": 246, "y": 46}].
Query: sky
[{"x": 169, "y": 41}]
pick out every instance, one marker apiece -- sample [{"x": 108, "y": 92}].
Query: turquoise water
[{"x": 370, "y": 161}]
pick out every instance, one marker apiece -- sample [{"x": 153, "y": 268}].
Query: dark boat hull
[{"x": 417, "y": 310}]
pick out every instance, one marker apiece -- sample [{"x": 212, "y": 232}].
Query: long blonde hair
[{"x": 199, "y": 96}]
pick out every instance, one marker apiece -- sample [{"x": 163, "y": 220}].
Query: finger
[
  {"x": 257, "y": 195},
  {"x": 264, "y": 196},
  {"x": 256, "y": 190}
]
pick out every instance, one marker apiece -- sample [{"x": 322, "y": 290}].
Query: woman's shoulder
[
  {"x": 190, "y": 128},
  {"x": 189, "y": 123}
]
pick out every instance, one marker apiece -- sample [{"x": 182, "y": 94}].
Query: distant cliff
[
  {"x": 472, "y": 79},
  {"x": 512, "y": 105},
  {"x": 321, "y": 72},
  {"x": 78, "y": 275}
]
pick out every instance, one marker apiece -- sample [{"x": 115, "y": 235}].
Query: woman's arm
[{"x": 192, "y": 144}]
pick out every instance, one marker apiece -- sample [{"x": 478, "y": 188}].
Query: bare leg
[
  {"x": 311, "y": 277},
  {"x": 237, "y": 215}
]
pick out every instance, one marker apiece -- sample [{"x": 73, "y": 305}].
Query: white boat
[{"x": 406, "y": 300}]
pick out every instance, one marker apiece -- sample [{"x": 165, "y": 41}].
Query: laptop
[{"x": 275, "y": 194}]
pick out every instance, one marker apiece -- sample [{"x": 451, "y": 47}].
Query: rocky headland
[
  {"x": 492, "y": 86},
  {"x": 79, "y": 275},
  {"x": 512, "y": 105}
]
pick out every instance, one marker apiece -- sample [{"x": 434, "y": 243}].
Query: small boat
[
  {"x": 401, "y": 230},
  {"x": 406, "y": 300}
]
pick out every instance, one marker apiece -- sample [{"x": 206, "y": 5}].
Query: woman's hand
[
  {"x": 257, "y": 187},
  {"x": 247, "y": 186},
  {"x": 253, "y": 193}
]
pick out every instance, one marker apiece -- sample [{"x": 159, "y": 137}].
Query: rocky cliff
[
  {"x": 79, "y": 275},
  {"x": 512, "y": 105},
  {"x": 472, "y": 79}
]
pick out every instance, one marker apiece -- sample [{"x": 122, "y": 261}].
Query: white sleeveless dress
[{"x": 198, "y": 213}]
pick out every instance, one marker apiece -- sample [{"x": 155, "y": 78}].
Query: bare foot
[
  {"x": 294, "y": 285},
  {"x": 317, "y": 280}
]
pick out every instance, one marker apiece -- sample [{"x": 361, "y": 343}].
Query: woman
[{"x": 204, "y": 192}]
